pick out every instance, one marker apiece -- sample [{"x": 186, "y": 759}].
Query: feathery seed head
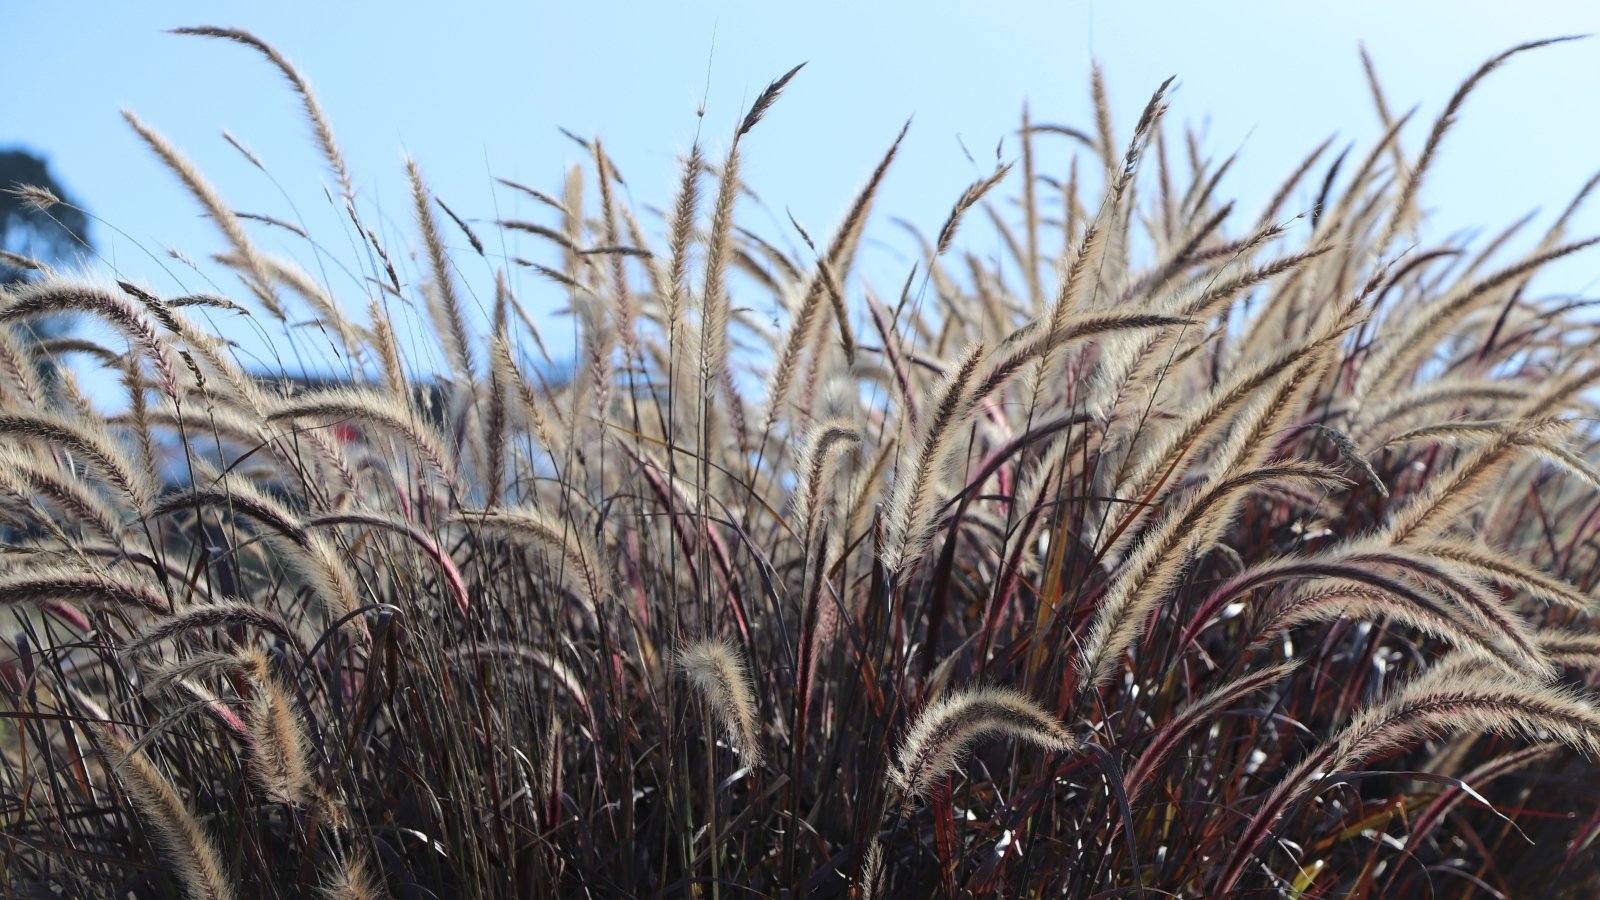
[{"x": 717, "y": 671}]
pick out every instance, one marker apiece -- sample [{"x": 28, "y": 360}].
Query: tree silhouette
[{"x": 47, "y": 236}]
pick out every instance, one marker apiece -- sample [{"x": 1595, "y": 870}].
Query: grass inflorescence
[{"x": 1206, "y": 553}]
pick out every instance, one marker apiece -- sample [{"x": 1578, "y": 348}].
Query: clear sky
[{"x": 478, "y": 89}]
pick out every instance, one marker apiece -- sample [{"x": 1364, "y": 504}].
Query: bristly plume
[
  {"x": 909, "y": 512},
  {"x": 319, "y": 122},
  {"x": 89, "y": 589},
  {"x": 717, "y": 671},
  {"x": 816, "y": 460},
  {"x": 934, "y": 744},
  {"x": 193, "y": 853},
  {"x": 371, "y": 406},
  {"x": 34, "y": 197},
  {"x": 765, "y": 101},
  {"x": 581, "y": 560},
  {"x": 255, "y": 272},
  {"x": 1353, "y": 456},
  {"x": 351, "y": 878},
  {"x": 1198, "y": 712},
  {"x": 871, "y": 882},
  {"x": 968, "y": 199},
  {"x": 1454, "y": 695},
  {"x": 1260, "y": 503},
  {"x": 280, "y": 745},
  {"x": 456, "y": 340},
  {"x": 1408, "y": 190}
]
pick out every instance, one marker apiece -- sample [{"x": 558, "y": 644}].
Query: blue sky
[{"x": 475, "y": 90}]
